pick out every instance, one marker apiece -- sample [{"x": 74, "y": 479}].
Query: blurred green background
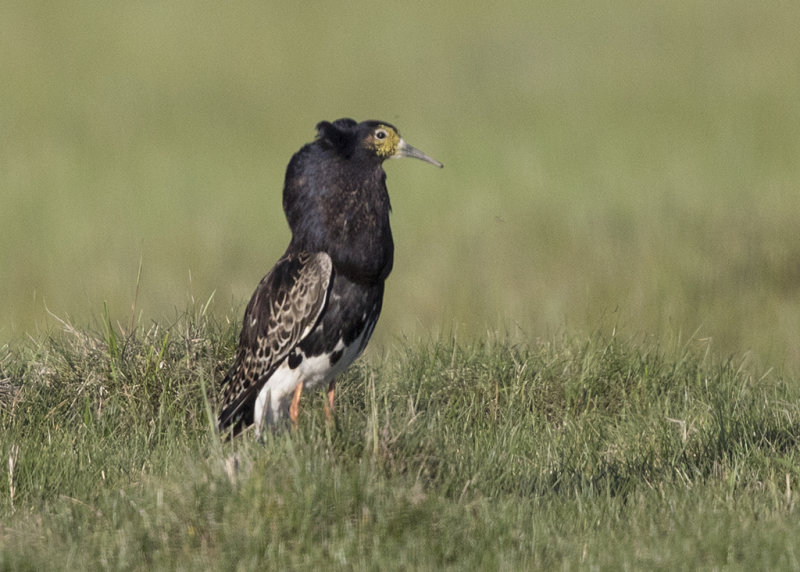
[{"x": 628, "y": 164}]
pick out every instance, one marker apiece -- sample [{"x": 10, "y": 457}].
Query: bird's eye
[{"x": 380, "y": 134}]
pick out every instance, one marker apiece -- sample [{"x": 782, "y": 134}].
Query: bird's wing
[{"x": 283, "y": 310}]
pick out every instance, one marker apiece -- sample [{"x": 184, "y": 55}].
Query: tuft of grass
[{"x": 574, "y": 451}]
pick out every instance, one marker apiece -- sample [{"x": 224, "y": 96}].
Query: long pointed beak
[{"x": 406, "y": 150}]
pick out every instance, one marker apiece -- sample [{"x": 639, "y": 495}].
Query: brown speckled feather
[{"x": 283, "y": 310}]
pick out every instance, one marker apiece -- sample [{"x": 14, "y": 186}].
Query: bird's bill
[{"x": 406, "y": 150}]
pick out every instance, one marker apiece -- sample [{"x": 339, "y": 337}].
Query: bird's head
[{"x": 375, "y": 139}]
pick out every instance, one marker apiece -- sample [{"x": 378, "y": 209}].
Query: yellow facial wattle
[{"x": 384, "y": 141}]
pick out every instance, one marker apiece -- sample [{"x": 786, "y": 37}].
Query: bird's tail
[{"x": 233, "y": 418}]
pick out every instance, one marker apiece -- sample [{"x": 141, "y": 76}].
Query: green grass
[
  {"x": 570, "y": 452},
  {"x": 620, "y": 163}
]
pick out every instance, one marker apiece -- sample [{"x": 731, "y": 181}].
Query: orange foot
[
  {"x": 294, "y": 408},
  {"x": 329, "y": 403}
]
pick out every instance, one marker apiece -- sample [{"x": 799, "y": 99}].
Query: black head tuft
[
  {"x": 339, "y": 135},
  {"x": 345, "y": 123}
]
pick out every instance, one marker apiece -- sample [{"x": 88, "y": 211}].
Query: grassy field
[
  {"x": 567, "y": 453},
  {"x": 590, "y": 345}
]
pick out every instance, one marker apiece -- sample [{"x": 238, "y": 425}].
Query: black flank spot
[
  {"x": 294, "y": 359},
  {"x": 336, "y": 356}
]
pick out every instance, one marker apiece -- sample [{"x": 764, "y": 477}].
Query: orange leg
[
  {"x": 294, "y": 408},
  {"x": 329, "y": 403}
]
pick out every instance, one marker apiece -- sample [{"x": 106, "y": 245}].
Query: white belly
[{"x": 273, "y": 400}]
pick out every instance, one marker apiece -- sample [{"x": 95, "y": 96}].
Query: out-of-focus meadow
[{"x": 606, "y": 163}]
